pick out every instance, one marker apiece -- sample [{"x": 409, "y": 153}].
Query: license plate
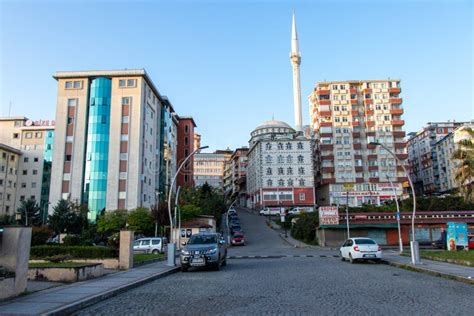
[
  {"x": 197, "y": 261},
  {"x": 369, "y": 256}
]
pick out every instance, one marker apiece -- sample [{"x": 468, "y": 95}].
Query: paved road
[{"x": 320, "y": 284}]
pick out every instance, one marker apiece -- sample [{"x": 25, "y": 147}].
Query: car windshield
[
  {"x": 202, "y": 239},
  {"x": 364, "y": 242}
]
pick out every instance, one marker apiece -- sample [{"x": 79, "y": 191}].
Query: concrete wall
[{"x": 90, "y": 271}]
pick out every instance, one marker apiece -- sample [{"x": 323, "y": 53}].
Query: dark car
[{"x": 204, "y": 250}]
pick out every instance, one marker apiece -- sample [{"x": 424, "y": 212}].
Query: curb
[
  {"x": 288, "y": 242},
  {"x": 428, "y": 271},
  {"x": 93, "y": 299}
]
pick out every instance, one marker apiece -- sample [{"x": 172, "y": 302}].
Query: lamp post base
[
  {"x": 400, "y": 242},
  {"x": 415, "y": 252},
  {"x": 171, "y": 255}
]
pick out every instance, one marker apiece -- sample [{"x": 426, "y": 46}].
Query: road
[{"x": 295, "y": 281}]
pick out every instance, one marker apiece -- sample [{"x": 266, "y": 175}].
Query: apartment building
[
  {"x": 113, "y": 131},
  {"x": 34, "y": 139},
  {"x": 346, "y": 116},
  {"x": 209, "y": 168},
  {"x": 280, "y": 168},
  {"x": 9, "y": 163},
  {"x": 239, "y": 163},
  {"x": 446, "y": 165},
  {"x": 422, "y": 157}
]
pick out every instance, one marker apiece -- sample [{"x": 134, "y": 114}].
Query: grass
[
  {"x": 142, "y": 257},
  {"x": 445, "y": 255},
  {"x": 58, "y": 264}
]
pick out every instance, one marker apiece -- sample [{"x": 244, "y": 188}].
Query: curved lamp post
[
  {"x": 400, "y": 243},
  {"x": 415, "y": 253},
  {"x": 172, "y": 244}
]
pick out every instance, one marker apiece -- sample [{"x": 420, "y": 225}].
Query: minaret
[{"x": 295, "y": 58}]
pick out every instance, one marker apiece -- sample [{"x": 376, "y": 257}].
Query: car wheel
[
  {"x": 351, "y": 259},
  {"x": 184, "y": 268},
  {"x": 155, "y": 252},
  {"x": 342, "y": 257}
]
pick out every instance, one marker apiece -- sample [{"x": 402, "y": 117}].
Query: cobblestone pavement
[{"x": 321, "y": 284}]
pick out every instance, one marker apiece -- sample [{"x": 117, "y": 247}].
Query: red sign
[{"x": 328, "y": 215}]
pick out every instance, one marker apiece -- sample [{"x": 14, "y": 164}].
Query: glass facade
[
  {"x": 165, "y": 151},
  {"x": 97, "y": 152},
  {"x": 46, "y": 180}
]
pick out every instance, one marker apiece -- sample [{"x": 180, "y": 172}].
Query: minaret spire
[{"x": 295, "y": 58}]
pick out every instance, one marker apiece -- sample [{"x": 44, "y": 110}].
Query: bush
[
  {"x": 72, "y": 240},
  {"x": 141, "y": 221},
  {"x": 76, "y": 252},
  {"x": 305, "y": 227},
  {"x": 40, "y": 235}
]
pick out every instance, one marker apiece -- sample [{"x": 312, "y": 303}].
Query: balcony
[
  {"x": 353, "y": 91},
  {"x": 402, "y": 156},
  {"x": 402, "y": 179},
  {"x": 373, "y": 168},
  {"x": 356, "y": 135},
  {"x": 355, "y": 123},
  {"x": 325, "y": 102},
  {"x": 367, "y": 90},
  {"x": 357, "y": 146},
  {"x": 371, "y": 157},
  {"x": 370, "y": 123},
  {"x": 369, "y": 112},
  {"x": 368, "y": 101},
  {"x": 373, "y": 179},
  {"x": 354, "y": 113},
  {"x": 329, "y": 124},
  {"x": 327, "y": 169},
  {"x": 396, "y": 111},
  {"x": 400, "y": 145},
  {"x": 326, "y": 147},
  {"x": 399, "y": 134},
  {"x": 359, "y": 180},
  {"x": 394, "y": 90},
  {"x": 327, "y": 157},
  {"x": 354, "y": 101},
  {"x": 325, "y": 113},
  {"x": 400, "y": 168},
  {"x": 325, "y": 134},
  {"x": 359, "y": 156},
  {"x": 320, "y": 92},
  {"x": 396, "y": 100},
  {"x": 359, "y": 168},
  {"x": 328, "y": 180},
  {"x": 398, "y": 122}
]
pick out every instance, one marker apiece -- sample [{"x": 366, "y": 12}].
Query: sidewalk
[
  {"x": 442, "y": 269},
  {"x": 66, "y": 299}
]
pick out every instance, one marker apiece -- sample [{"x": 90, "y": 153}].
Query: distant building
[
  {"x": 185, "y": 147},
  {"x": 197, "y": 140},
  {"x": 346, "y": 116},
  {"x": 239, "y": 164},
  {"x": 280, "y": 168},
  {"x": 9, "y": 163},
  {"x": 422, "y": 158},
  {"x": 209, "y": 168},
  {"x": 446, "y": 165},
  {"x": 34, "y": 139}
]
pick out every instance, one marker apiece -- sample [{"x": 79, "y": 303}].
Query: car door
[
  {"x": 344, "y": 249},
  {"x": 156, "y": 244},
  {"x": 145, "y": 245}
]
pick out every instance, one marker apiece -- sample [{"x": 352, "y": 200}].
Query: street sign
[
  {"x": 282, "y": 218},
  {"x": 328, "y": 215}
]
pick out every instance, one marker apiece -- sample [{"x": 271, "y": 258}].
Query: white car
[
  {"x": 360, "y": 248},
  {"x": 153, "y": 245},
  {"x": 269, "y": 211}
]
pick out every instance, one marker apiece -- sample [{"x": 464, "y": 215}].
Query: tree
[
  {"x": 30, "y": 212},
  {"x": 464, "y": 175},
  {"x": 141, "y": 221},
  {"x": 189, "y": 211},
  {"x": 112, "y": 222},
  {"x": 160, "y": 216},
  {"x": 68, "y": 217}
]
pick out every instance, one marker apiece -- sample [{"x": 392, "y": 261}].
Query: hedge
[{"x": 76, "y": 252}]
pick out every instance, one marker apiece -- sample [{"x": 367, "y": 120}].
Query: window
[
  {"x": 302, "y": 196},
  {"x": 35, "y": 171},
  {"x": 280, "y": 159},
  {"x": 126, "y": 101},
  {"x": 186, "y": 140},
  {"x": 77, "y": 84},
  {"x": 68, "y": 85},
  {"x": 28, "y": 135},
  {"x": 281, "y": 182},
  {"x": 280, "y": 146},
  {"x": 268, "y": 146},
  {"x": 337, "y": 119},
  {"x": 22, "y": 198},
  {"x": 25, "y": 172},
  {"x": 301, "y": 170},
  {"x": 33, "y": 185},
  {"x": 71, "y": 102},
  {"x": 131, "y": 82},
  {"x": 289, "y": 159},
  {"x": 300, "y": 145},
  {"x": 25, "y": 159},
  {"x": 288, "y": 146},
  {"x": 38, "y": 135},
  {"x": 280, "y": 171},
  {"x": 122, "y": 83},
  {"x": 269, "y": 171},
  {"x": 300, "y": 159},
  {"x": 268, "y": 159},
  {"x": 289, "y": 171},
  {"x": 269, "y": 182},
  {"x": 70, "y": 120},
  {"x": 23, "y": 185},
  {"x": 68, "y": 157},
  {"x": 301, "y": 182},
  {"x": 290, "y": 182},
  {"x": 186, "y": 129},
  {"x": 16, "y": 135}
]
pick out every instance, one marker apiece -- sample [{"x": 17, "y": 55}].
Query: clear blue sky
[{"x": 226, "y": 63}]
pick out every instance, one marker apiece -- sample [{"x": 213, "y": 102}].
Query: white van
[{"x": 150, "y": 245}]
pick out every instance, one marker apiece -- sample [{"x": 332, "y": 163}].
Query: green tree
[
  {"x": 111, "y": 222},
  {"x": 30, "y": 212},
  {"x": 464, "y": 157},
  {"x": 189, "y": 211},
  {"x": 141, "y": 221},
  {"x": 68, "y": 217},
  {"x": 160, "y": 216}
]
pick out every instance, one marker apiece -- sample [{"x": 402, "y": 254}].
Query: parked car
[
  {"x": 269, "y": 211},
  {"x": 470, "y": 240},
  {"x": 360, "y": 249},
  {"x": 204, "y": 250},
  {"x": 150, "y": 245},
  {"x": 237, "y": 238},
  {"x": 232, "y": 211}
]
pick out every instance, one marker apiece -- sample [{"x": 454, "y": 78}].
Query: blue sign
[{"x": 456, "y": 235}]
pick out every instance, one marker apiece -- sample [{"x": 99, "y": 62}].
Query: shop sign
[{"x": 328, "y": 215}]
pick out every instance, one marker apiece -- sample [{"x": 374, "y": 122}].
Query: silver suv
[{"x": 204, "y": 250}]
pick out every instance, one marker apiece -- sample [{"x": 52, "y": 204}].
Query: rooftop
[{"x": 273, "y": 123}]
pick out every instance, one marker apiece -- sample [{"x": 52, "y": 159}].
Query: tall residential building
[
  {"x": 446, "y": 165},
  {"x": 239, "y": 163},
  {"x": 346, "y": 116},
  {"x": 422, "y": 157},
  {"x": 34, "y": 139},
  {"x": 9, "y": 161},
  {"x": 209, "y": 168},
  {"x": 185, "y": 147},
  {"x": 280, "y": 168},
  {"x": 112, "y": 128}
]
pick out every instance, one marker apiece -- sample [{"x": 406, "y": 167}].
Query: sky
[{"x": 226, "y": 63}]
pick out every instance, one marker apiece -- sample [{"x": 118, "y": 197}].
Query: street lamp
[
  {"x": 400, "y": 243},
  {"x": 415, "y": 254},
  {"x": 172, "y": 244}
]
